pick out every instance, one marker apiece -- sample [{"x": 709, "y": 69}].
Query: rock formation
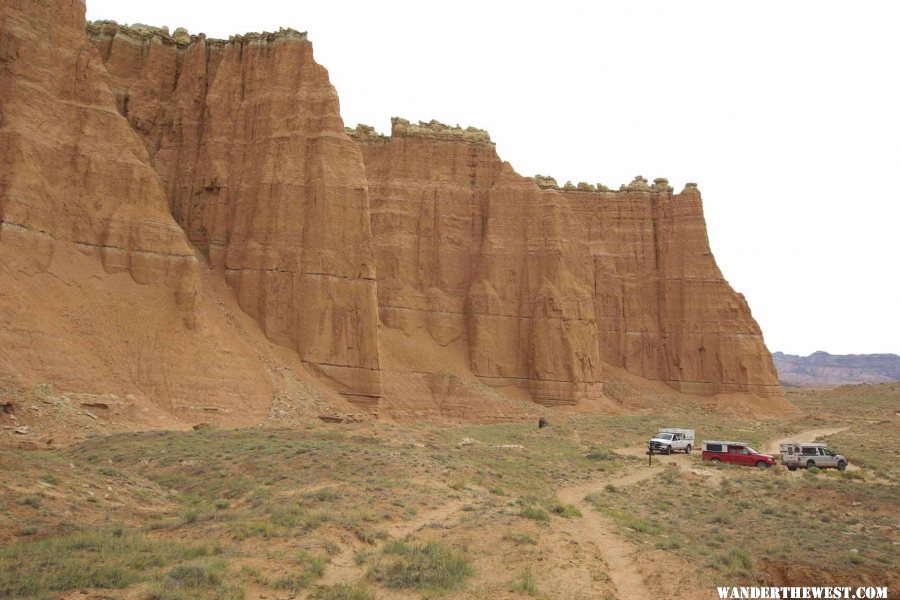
[
  {"x": 100, "y": 291},
  {"x": 546, "y": 284},
  {"x": 824, "y": 369},
  {"x": 187, "y": 221},
  {"x": 247, "y": 138},
  {"x": 98, "y": 285},
  {"x": 74, "y": 175}
]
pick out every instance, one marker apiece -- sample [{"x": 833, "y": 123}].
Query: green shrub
[
  {"x": 642, "y": 525},
  {"x": 671, "y": 543},
  {"x": 197, "y": 575},
  {"x": 325, "y": 495},
  {"x": 596, "y": 453},
  {"x": 524, "y": 583},
  {"x": 670, "y": 475},
  {"x": 31, "y": 500},
  {"x": 737, "y": 560},
  {"x": 110, "y": 472},
  {"x": 103, "y": 559},
  {"x": 458, "y": 485},
  {"x": 520, "y": 538},
  {"x": 429, "y": 566},
  {"x": 534, "y": 513},
  {"x": 342, "y": 591},
  {"x": 563, "y": 510},
  {"x": 312, "y": 567},
  {"x": 243, "y": 530},
  {"x": 722, "y": 518}
]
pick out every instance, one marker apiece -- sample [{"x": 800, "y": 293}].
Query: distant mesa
[{"x": 824, "y": 369}]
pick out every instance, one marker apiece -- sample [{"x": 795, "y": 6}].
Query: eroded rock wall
[
  {"x": 73, "y": 173},
  {"x": 545, "y": 284},
  {"x": 99, "y": 290},
  {"x": 470, "y": 250},
  {"x": 247, "y": 138},
  {"x": 128, "y": 149},
  {"x": 664, "y": 310}
]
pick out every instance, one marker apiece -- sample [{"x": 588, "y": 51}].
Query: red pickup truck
[{"x": 737, "y": 453}]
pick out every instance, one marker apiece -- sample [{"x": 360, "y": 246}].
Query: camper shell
[
  {"x": 800, "y": 455},
  {"x": 671, "y": 439}
]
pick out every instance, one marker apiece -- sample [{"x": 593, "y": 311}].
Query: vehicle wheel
[
  {"x": 668, "y": 450},
  {"x": 792, "y": 468},
  {"x": 842, "y": 466},
  {"x": 762, "y": 464},
  {"x": 716, "y": 460},
  {"x": 810, "y": 463},
  {"x": 688, "y": 449}
]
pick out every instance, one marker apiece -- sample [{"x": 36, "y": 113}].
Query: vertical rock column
[
  {"x": 531, "y": 313},
  {"x": 665, "y": 312},
  {"x": 713, "y": 344}
]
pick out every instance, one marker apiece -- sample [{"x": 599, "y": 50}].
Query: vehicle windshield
[
  {"x": 828, "y": 452},
  {"x": 751, "y": 450},
  {"x": 664, "y": 436}
]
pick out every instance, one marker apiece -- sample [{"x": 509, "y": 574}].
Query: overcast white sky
[{"x": 787, "y": 115}]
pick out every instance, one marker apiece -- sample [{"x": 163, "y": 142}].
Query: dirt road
[
  {"x": 343, "y": 568},
  {"x": 810, "y": 435},
  {"x": 597, "y": 529},
  {"x": 632, "y": 578}
]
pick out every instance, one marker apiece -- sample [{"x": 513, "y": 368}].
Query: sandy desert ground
[{"x": 380, "y": 510}]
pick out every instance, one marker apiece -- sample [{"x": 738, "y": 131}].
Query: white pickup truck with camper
[
  {"x": 802, "y": 455},
  {"x": 671, "y": 439}
]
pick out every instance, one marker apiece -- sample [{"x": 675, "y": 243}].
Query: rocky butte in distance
[{"x": 824, "y": 369}]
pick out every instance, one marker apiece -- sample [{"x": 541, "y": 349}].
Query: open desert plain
[
  {"x": 247, "y": 352},
  {"x": 387, "y": 510}
]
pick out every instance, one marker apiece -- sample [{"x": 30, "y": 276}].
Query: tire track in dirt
[
  {"x": 596, "y": 529},
  {"x": 343, "y": 568},
  {"x": 810, "y": 435},
  {"x": 593, "y": 529}
]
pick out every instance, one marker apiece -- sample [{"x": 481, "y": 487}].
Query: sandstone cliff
[
  {"x": 247, "y": 138},
  {"x": 100, "y": 291},
  {"x": 186, "y": 221},
  {"x": 98, "y": 286},
  {"x": 546, "y": 284}
]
